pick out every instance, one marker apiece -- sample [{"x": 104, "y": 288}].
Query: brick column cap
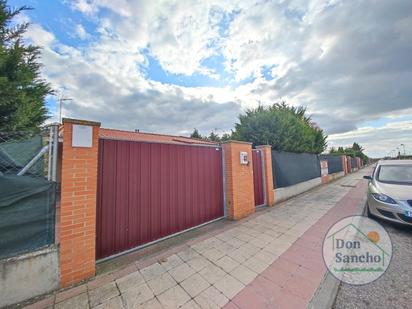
[
  {"x": 236, "y": 142},
  {"x": 81, "y": 121}
]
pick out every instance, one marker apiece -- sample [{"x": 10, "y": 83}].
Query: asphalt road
[{"x": 394, "y": 288}]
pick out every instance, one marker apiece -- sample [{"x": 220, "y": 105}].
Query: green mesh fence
[
  {"x": 16, "y": 150},
  {"x": 291, "y": 168},
  {"x": 27, "y": 207},
  {"x": 335, "y": 164},
  {"x": 27, "y": 202}
]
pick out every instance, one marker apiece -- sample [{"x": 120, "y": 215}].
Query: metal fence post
[
  {"x": 49, "y": 159},
  {"x": 55, "y": 128}
]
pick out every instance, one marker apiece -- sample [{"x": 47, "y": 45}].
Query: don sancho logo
[{"x": 357, "y": 250}]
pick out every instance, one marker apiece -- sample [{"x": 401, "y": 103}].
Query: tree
[
  {"x": 357, "y": 147},
  {"x": 22, "y": 91},
  {"x": 355, "y": 151},
  {"x": 196, "y": 134},
  {"x": 284, "y": 127},
  {"x": 213, "y": 137},
  {"x": 226, "y": 137}
]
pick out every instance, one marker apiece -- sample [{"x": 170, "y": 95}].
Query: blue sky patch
[
  {"x": 380, "y": 122},
  {"x": 266, "y": 71},
  {"x": 155, "y": 71},
  {"x": 57, "y": 18}
]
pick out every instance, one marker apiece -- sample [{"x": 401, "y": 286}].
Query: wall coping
[
  {"x": 81, "y": 121},
  {"x": 30, "y": 254},
  {"x": 264, "y": 146}
]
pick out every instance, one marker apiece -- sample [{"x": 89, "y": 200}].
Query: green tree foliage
[
  {"x": 226, "y": 137},
  {"x": 22, "y": 91},
  {"x": 196, "y": 134},
  {"x": 213, "y": 137},
  {"x": 355, "y": 150},
  {"x": 284, "y": 127}
]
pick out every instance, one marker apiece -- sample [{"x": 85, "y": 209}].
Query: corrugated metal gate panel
[
  {"x": 258, "y": 177},
  {"x": 147, "y": 191}
]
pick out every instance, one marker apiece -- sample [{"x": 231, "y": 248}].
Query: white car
[{"x": 390, "y": 191}]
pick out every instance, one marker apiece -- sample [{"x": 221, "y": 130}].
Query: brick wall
[
  {"x": 238, "y": 180},
  {"x": 78, "y": 206},
  {"x": 267, "y": 174}
]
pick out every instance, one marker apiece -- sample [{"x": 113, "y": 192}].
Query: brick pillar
[
  {"x": 239, "y": 191},
  {"x": 268, "y": 174},
  {"x": 78, "y": 201},
  {"x": 324, "y": 172},
  {"x": 344, "y": 165}
]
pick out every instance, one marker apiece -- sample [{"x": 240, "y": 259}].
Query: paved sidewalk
[{"x": 270, "y": 260}]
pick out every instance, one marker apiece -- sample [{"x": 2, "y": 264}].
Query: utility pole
[
  {"x": 404, "y": 152},
  {"x": 61, "y": 100}
]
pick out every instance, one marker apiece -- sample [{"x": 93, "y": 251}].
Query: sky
[{"x": 172, "y": 66}]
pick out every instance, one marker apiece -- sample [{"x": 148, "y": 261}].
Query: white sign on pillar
[{"x": 82, "y": 136}]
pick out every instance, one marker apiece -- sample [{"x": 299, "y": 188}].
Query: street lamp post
[{"x": 404, "y": 152}]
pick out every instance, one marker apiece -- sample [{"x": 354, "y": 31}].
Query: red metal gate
[
  {"x": 147, "y": 191},
  {"x": 258, "y": 177}
]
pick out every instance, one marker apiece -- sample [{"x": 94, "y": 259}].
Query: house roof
[{"x": 150, "y": 137}]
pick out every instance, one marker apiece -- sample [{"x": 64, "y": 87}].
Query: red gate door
[
  {"x": 258, "y": 177},
  {"x": 147, "y": 191}
]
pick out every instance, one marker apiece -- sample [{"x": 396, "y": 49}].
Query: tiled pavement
[{"x": 270, "y": 260}]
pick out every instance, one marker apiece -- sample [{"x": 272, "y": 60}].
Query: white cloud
[
  {"x": 87, "y": 7},
  {"x": 80, "y": 32},
  {"x": 378, "y": 142},
  {"x": 348, "y": 67},
  {"x": 40, "y": 36}
]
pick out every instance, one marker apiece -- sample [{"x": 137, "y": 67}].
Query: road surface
[{"x": 394, "y": 288}]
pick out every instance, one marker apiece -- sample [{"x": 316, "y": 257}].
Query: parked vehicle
[{"x": 390, "y": 191}]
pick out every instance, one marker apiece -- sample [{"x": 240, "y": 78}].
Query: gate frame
[{"x": 179, "y": 232}]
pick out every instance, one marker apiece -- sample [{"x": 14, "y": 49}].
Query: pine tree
[
  {"x": 196, "y": 134},
  {"x": 22, "y": 91},
  {"x": 213, "y": 137}
]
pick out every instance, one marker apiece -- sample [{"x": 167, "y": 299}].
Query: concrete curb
[{"x": 325, "y": 295}]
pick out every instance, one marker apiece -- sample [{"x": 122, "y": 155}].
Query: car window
[{"x": 395, "y": 174}]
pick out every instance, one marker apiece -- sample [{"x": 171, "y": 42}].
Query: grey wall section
[
  {"x": 28, "y": 275},
  {"x": 282, "y": 194},
  {"x": 292, "y": 168},
  {"x": 353, "y": 163},
  {"x": 334, "y": 163},
  {"x": 336, "y": 176}
]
